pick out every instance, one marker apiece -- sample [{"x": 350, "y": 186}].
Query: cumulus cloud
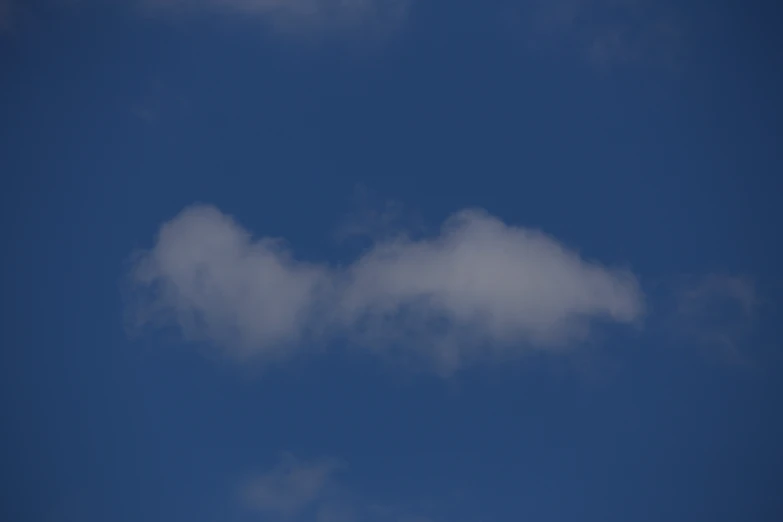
[
  {"x": 298, "y": 489},
  {"x": 478, "y": 288}
]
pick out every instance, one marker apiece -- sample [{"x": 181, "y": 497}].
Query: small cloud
[
  {"x": 606, "y": 32},
  {"x": 478, "y": 289},
  {"x": 719, "y": 312},
  {"x": 298, "y": 489},
  {"x": 714, "y": 292},
  {"x": 158, "y": 102},
  {"x": 375, "y": 220},
  {"x": 291, "y": 488},
  {"x": 145, "y": 113}
]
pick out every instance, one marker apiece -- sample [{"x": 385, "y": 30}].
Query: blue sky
[{"x": 390, "y": 261}]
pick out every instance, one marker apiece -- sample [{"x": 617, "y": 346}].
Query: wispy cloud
[
  {"x": 292, "y": 487},
  {"x": 158, "y": 102},
  {"x": 718, "y": 311},
  {"x": 478, "y": 289},
  {"x": 294, "y": 15},
  {"x": 377, "y": 220},
  {"x": 298, "y": 489},
  {"x": 606, "y": 32}
]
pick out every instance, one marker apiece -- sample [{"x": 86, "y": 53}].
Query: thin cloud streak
[
  {"x": 293, "y": 15},
  {"x": 480, "y": 289}
]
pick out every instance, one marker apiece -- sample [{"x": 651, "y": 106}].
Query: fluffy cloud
[{"x": 479, "y": 288}]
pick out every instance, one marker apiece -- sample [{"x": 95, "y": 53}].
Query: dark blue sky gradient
[{"x": 111, "y": 123}]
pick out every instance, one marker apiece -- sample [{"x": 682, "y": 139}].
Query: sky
[{"x": 390, "y": 261}]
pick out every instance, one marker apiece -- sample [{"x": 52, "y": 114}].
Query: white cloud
[{"x": 477, "y": 289}]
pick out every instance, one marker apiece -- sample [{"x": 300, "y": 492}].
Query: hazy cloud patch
[
  {"x": 294, "y": 16},
  {"x": 606, "y": 32},
  {"x": 718, "y": 311},
  {"x": 292, "y": 487},
  {"x": 298, "y": 489}
]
